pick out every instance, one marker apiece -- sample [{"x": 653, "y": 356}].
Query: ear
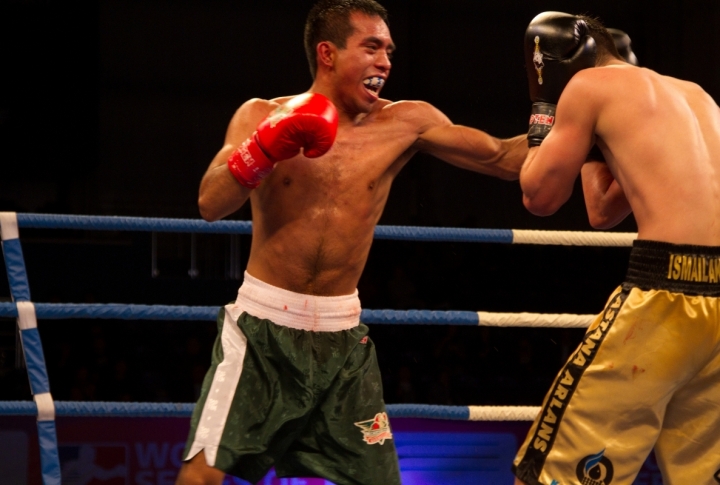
[{"x": 326, "y": 53}]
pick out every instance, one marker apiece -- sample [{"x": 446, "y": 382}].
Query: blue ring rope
[
  {"x": 75, "y": 409},
  {"x": 55, "y": 311},
  {"x": 155, "y": 224}
]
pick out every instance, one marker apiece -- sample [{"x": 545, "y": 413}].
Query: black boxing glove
[
  {"x": 623, "y": 46},
  {"x": 557, "y": 45}
]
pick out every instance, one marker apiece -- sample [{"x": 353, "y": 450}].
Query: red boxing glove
[{"x": 308, "y": 122}]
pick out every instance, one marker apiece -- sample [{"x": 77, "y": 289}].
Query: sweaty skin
[
  {"x": 313, "y": 219},
  {"x": 661, "y": 139}
]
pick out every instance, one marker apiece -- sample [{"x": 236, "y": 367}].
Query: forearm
[
  {"x": 513, "y": 154},
  {"x": 531, "y": 184},
  {"x": 605, "y": 200},
  {"x": 475, "y": 150},
  {"x": 220, "y": 193}
]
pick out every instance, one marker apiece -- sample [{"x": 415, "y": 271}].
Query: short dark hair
[
  {"x": 330, "y": 20},
  {"x": 603, "y": 39}
]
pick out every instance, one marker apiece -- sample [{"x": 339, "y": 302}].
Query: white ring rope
[
  {"x": 503, "y": 413},
  {"x": 551, "y": 320},
  {"x": 574, "y": 238}
]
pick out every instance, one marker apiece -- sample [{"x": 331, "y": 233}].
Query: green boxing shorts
[{"x": 294, "y": 384}]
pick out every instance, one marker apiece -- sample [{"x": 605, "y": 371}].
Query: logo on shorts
[
  {"x": 595, "y": 470},
  {"x": 375, "y": 430}
]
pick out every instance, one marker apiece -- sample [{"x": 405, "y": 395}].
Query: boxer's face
[{"x": 364, "y": 65}]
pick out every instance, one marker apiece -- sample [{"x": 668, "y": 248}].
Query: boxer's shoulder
[
  {"x": 252, "y": 111},
  {"x": 418, "y": 115}
]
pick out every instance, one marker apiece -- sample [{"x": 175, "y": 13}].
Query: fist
[{"x": 306, "y": 122}]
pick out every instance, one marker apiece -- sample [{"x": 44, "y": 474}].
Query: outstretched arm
[
  {"x": 466, "y": 147},
  {"x": 605, "y": 200}
]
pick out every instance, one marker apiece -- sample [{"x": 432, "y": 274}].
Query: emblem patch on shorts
[
  {"x": 595, "y": 470},
  {"x": 375, "y": 430}
]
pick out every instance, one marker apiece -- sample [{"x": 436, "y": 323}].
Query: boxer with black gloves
[
  {"x": 294, "y": 381},
  {"x": 647, "y": 373}
]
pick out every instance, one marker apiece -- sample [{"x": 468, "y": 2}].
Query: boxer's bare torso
[
  {"x": 661, "y": 139},
  {"x": 313, "y": 219}
]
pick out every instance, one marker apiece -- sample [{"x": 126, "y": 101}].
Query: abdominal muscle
[{"x": 314, "y": 221}]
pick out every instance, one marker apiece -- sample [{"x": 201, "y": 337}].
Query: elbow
[
  {"x": 598, "y": 221},
  {"x": 207, "y": 212},
  {"x": 539, "y": 207}
]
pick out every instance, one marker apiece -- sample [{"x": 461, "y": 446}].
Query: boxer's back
[{"x": 661, "y": 137}]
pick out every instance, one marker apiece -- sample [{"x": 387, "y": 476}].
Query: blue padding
[
  {"x": 420, "y": 317},
  {"x": 49, "y": 458},
  {"x": 454, "y": 234},
  {"x": 178, "y": 410},
  {"x": 35, "y": 361},
  {"x": 15, "y": 266}
]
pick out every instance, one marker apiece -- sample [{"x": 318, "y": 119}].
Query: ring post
[{"x": 32, "y": 348}]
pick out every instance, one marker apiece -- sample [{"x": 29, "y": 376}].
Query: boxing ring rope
[
  {"x": 398, "y": 233},
  {"x": 27, "y": 313}
]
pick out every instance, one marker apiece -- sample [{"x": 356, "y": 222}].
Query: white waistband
[{"x": 296, "y": 310}]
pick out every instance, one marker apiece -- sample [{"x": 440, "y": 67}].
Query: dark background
[{"x": 117, "y": 107}]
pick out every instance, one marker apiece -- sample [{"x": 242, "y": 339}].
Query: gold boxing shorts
[{"x": 646, "y": 374}]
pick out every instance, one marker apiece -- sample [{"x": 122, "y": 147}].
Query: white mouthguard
[{"x": 374, "y": 82}]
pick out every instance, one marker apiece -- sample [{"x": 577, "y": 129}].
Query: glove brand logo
[
  {"x": 280, "y": 113},
  {"x": 540, "y": 119},
  {"x": 538, "y": 59},
  {"x": 375, "y": 430},
  {"x": 595, "y": 469},
  {"x": 245, "y": 155}
]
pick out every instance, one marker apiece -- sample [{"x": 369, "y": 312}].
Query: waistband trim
[
  {"x": 296, "y": 310},
  {"x": 681, "y": 268}
]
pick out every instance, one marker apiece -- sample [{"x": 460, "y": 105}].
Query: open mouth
[{"x": 374, "y": 84}]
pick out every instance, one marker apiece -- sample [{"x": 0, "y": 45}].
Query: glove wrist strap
[
  {"x": 542, "y": 119},
  {"x": 249, "y": 164}
]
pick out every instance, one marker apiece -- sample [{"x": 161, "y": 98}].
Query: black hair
[
  {"x": 329, "y": 20},
  {"x": 603, "y": 39}
]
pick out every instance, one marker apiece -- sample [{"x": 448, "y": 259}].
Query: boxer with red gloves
[
  {"x": 646, "y": 374},
  {"x": 294, "y": 381}
]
